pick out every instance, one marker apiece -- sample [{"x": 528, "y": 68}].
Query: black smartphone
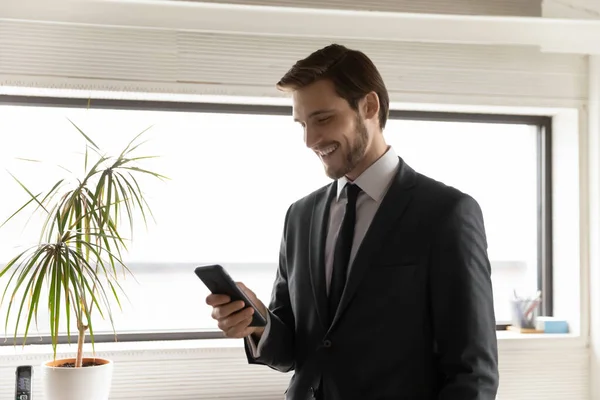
[
  {"x": 218, "y": 281},
  {"x": 23, "y": 386}
]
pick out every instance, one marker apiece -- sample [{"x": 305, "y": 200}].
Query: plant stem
[{"x": 80, "y": 341}]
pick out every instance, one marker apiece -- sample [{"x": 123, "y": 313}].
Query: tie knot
[{"x": 352, "y": 191}]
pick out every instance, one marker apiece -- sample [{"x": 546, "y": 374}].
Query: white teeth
[{"x": 328, "y": 150}]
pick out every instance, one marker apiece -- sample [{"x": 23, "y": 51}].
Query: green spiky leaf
[{"x": 79, "y": 256}]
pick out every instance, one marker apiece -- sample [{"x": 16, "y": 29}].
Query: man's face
[{"x": 332, "y": 129}]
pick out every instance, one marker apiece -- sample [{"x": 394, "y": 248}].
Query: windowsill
[
  {"x": 507, "y": 341},
  {"x": 32, "y": 349},
  {"x": 510, "y": 335},
  {"x": 514, "y": 341}
]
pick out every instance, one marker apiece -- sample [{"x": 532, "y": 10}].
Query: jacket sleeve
[
  {"x": 462, "y": 305},
  {"x": 276, "y": 346}
]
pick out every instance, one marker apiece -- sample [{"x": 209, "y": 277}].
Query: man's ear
[{"x": 370, "y": 106}]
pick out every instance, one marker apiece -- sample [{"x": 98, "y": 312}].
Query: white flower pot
[{"x": 65, "y": 383}]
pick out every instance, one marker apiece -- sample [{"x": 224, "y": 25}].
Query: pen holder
[{"x": 524, "y": 313}]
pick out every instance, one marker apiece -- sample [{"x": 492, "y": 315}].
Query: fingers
[
  {"x": 240, "y": 331},
  {"x": 225, "y": 310},
  {"x": 236, "y": 325},
  {"x": 217, "y": 299},
  {"x": 234, "y": 317},
  {"x": 236, "y": 321}
]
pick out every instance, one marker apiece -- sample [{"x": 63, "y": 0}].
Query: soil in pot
[{"x": 87, "y": 362}]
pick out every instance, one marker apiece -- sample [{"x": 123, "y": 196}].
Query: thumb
[
  {"x": 252, "y": 296},
  {"x": 247, "y": 291}
]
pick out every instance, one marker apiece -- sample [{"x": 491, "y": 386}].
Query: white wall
[
  {"x": 594, "y": 224},
  {"x": 176, "y": 49},
  {"x": 549, "y": 369},
  {"x": 568, "y": 217}
]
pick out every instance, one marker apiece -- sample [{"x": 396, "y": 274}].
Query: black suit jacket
[{"x": 416, "y": 319}]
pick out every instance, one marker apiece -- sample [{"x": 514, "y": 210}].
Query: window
[
  {"x": 498, "y": 164},
  {"x": 234, "y": 171}
]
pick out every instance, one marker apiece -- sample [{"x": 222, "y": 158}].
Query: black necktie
[{"x": 343, "y": 247}]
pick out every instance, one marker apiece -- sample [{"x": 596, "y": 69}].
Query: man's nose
[{"x": 311, "y": 137}]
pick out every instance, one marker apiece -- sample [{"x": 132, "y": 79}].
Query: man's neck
[{"x": 375, "y": 153}]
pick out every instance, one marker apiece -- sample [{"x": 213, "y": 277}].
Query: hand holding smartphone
[{"x": 218, "y": 281}]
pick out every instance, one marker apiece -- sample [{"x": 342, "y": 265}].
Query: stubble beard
[{"x": 355, "y": 154}]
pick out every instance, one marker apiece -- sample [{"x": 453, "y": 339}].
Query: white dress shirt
[{"x": 374, "y": 182}]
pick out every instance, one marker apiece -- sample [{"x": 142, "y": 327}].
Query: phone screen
[{"x": 23, "y": 383}]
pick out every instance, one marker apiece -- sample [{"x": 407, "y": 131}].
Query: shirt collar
[{"x": 376, "y": 179}]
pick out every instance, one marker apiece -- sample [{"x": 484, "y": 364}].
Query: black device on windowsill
[{"x": 23, "y": 386}]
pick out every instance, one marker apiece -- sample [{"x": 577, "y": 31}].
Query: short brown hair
[{"x": 353, "y": 75}]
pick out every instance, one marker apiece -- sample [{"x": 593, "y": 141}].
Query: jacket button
[{"x": 327, "y": 343}]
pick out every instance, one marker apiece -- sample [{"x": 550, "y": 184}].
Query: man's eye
[{"x": 323, "y": 120}]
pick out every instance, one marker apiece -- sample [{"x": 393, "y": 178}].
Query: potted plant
[{"x": 78, "y": 261}]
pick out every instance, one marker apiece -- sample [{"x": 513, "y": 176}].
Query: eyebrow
[{"x": 316, "y": 113}]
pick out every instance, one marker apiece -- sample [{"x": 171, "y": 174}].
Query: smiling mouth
[{"x": 327, "y": 151}]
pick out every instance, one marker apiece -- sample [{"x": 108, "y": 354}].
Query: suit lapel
[
  {"x": 391, "y": 209},
  {"x": 318, "y": 232}
]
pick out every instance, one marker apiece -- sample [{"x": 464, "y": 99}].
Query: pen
[{"x": 534, "y": 303}]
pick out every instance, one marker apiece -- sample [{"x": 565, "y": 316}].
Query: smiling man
[{"x": 383, "y": 289}]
